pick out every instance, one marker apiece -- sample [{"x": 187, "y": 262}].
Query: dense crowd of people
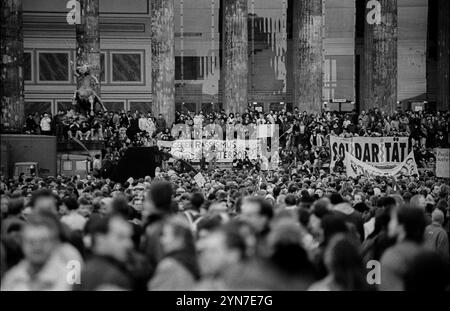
[
  {"x": 242, "y": 229},
  {"x": 304, "y": 138},
  {"x": 297, "y": 227}
]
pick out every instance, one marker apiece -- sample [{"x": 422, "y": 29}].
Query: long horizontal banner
[
  {"x": 220, "y": 149},
  {"x": 355, "y": 167},
  {"x": 381, "y": 152}
]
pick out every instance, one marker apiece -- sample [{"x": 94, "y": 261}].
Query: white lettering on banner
[
  {"x": 74, "y": 15},
  {"x": 241, "y": 141},
  {"x": 443, "y": 162},
  {"x": 209, "y": 148},
  {"x": 382, "y": 152},
  {"x": 374, "y": 14}
]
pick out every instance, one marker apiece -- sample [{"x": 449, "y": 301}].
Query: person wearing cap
[{"x": 436, "y": 237}]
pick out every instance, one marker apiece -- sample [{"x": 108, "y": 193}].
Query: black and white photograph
[{"x": 225, "y": 151}]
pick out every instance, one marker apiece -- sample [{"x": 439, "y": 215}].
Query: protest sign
[
  {"x": 442, "y": 162},
  {"x": 381, "y": 152},
  {"x": 164, "y": 144},
  {"x": 200, "y": 180},
  {"x": 209, "y": 148},
  {"x": 355, "y": 167},
  {"x": 182, "y": 149}
]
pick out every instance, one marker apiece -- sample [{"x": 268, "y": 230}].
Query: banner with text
[
  {"x": 355, "y": 167},
  {"x": 380, "y": 152},
  {"x": 443, "y": 162},
  {"x": 210, "y": 148}
]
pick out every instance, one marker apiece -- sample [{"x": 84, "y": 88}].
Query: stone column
[
  {"x": 11, "y": 86},
  {"x": 88, "y": 40},
  {"x": 308, "y": 54},
  {"x": 163, "y": 59},
  {"x": 380, "y": 55},
  {"x": 235, "y": 57},
  {"x": 443, "y": 94}
]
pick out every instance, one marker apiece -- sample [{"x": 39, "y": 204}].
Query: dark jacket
[
  {"x": 351, "y": 216},
  {"x": 436, "y": 239},
  {"x": 160, "y": 124},
  {"x": 104, "y": 271},
  {"x": 177, "y": 271},
  {"x": 150, "y": 242}
]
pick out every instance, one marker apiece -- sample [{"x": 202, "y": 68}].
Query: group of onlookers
[{"x": 241, "y": 229}]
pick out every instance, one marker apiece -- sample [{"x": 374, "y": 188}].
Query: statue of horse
[{"x": 85, "y": 99}]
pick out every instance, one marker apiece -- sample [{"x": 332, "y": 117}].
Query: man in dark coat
[
  {"x": 111, "y": 244},
  {"x": 160, "y": 124},
  {"x": 157, "y": 208}
]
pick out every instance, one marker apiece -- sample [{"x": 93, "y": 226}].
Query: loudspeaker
[{"x": 137, "y": 162}]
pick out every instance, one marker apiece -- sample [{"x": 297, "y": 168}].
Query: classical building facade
[{"x": 227, "y": 53}]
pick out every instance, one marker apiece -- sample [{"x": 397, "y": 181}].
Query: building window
[
  {"x": 211, "y": 107},
  {"x": 127, "y": 67},
  {"x": 140, "y": 106},
  {"x": 28, "y": 66},
  {"x": 289, "y": 107},
  {"x": 64, "y": 105},
  {"x": 277, "y": 106},
  {"x": 115, "y": 106},
  {"x": 185, "y": 107},
  {"x": 190, "y": 67},
  {"x": 39, "y": 107},
  {"x": 257, "y": 106},
  {"x": 338, "y": 77},
  {"x": 67, "y": 165},
  {"x": 103, "y": 67},
  {"x": 53, "y": 66},
  {"x": 81, "y": 165}
]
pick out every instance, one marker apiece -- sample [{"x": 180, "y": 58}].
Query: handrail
[{"x": 82, "y": 146}]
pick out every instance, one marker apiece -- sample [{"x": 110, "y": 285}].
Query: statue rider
[{"x": 85, "y": 99}]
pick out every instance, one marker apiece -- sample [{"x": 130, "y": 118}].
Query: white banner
[
  {"x": 381, "y": 152},
  {"x": 164, "y": 144},
  {"x": 266, "y": 130},
  {"x": 209, "y": 148},
  {"x": 443, "y": 162},
  {"x": 355, "y": 167}
]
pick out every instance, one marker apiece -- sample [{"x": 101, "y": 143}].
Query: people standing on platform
[
  {"x": 160, "y": 124},
  {"x": 30, "y": 125},
  {"x": 46, "y": 124}
]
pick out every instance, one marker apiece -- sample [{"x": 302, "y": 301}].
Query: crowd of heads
[
  {"x": 242, "y": 229},
  {"x": 304, "y": 137},
  {"x": 296, "y": 227}
]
